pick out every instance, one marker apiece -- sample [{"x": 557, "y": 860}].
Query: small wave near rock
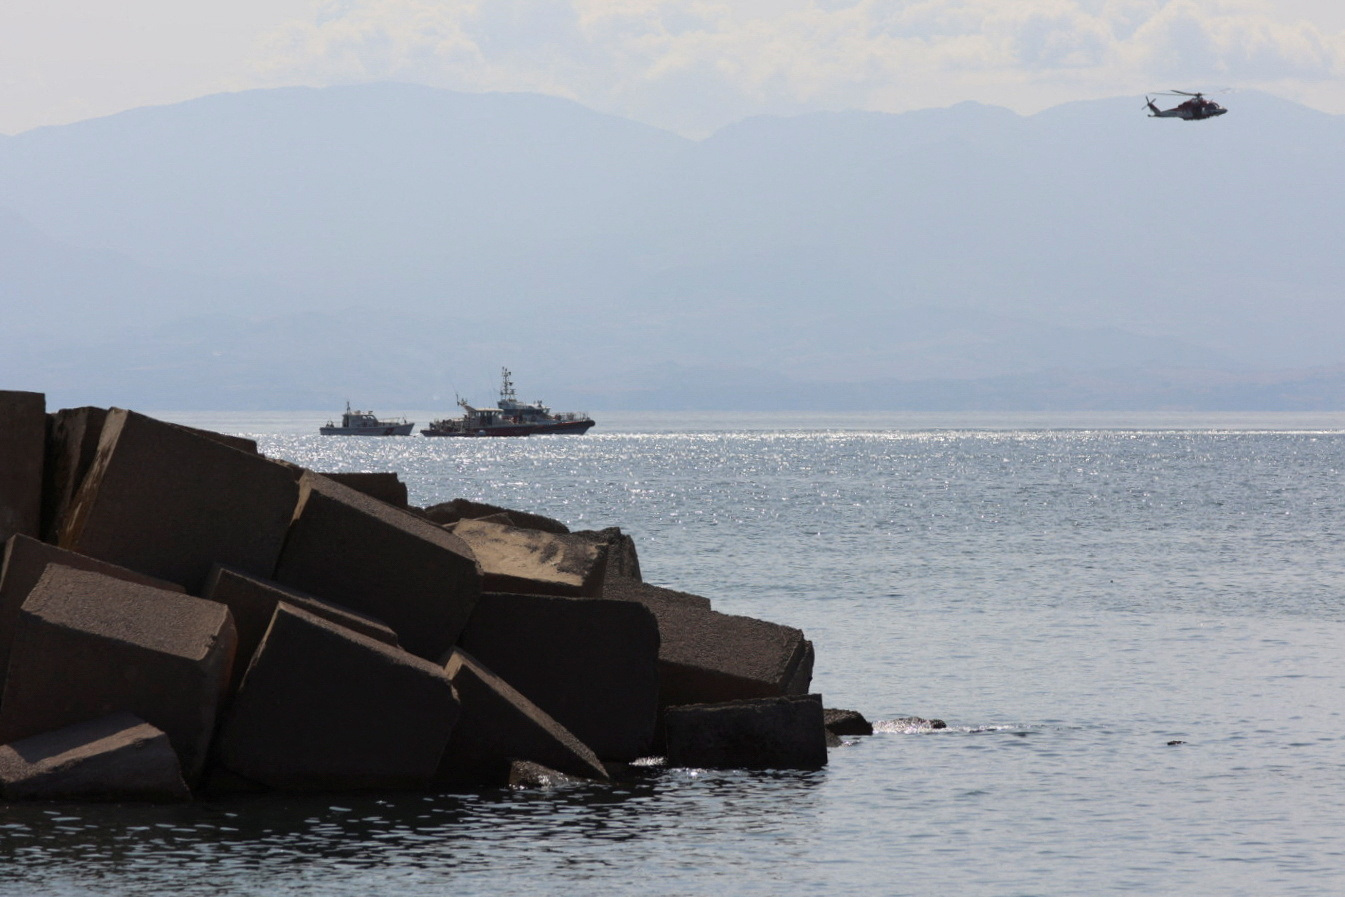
[{"x": 907, "y": 725}]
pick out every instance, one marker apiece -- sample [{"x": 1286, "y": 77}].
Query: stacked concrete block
[
  {"x": 623, "y": 588},
  {"x": 172, "y": 503},
  {"x": 394, "y": 566},
  {"x": 23, "y": 441},
  {"x": 88, "y": 644},
  {"x": 323, "y": 708},
  {"x": 707, "y": 657},
  {"x": 622, "y": 559},
  {"x": 802, "y": 677},
  {"x": 24, "y": 561},
  {"x": 253, "y": 601},
  {"x": 118, "y": 757},
  {"x": 533, "y": 562},
  {"x": 72, "y": 443},
  {"x": 766, "y": 733},
  {"x": 501, "y": 519},
  {"x": 592, "y": 665},
  {"x": 287, "y": 672},
  {"x": 500, "y": 725},
  {"x": 386, "y": 487},
  {"x": 464, "y": 509},
  {"x": 241, "y": 443}
]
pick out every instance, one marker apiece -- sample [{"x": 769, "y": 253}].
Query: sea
[{"x": 1132, "y": 625}]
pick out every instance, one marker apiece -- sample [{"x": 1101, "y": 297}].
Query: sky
[{"x": 687, "y": 65}]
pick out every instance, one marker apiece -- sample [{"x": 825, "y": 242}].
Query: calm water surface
[{"x": 1069, "y": 594}]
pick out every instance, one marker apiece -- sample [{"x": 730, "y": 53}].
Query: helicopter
[{"x": 1193, "y": 109}]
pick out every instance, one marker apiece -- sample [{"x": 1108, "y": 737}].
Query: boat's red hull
[{"x": 572, "y": 427}]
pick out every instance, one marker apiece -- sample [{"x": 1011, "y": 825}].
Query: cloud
[
  {"x": 1184, "y": 37},
  {"x": 697, "y": 64}
]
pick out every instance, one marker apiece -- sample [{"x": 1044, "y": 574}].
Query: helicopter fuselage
[{"x": 1191, "y": 110}]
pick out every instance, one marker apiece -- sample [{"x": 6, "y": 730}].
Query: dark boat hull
[{"x": 567, "y": 427}]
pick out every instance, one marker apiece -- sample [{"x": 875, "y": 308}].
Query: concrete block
[
  {"x": 72, "y": 444},
  {"x": 386, "y": 487},
  {"x": 118, "y": 757},
  {"x": 323, "y": 708},
  {"x": 390, "y": 564},
  {"x": 498, "y": 726},
  {"x": 707, "y": 657},
  {"x": 252, "y": 601},
  {"x": 172, "y": 503},
  {"x": 591, "y": 665},
  {"x": 24, "y": 561},
  {"x": 766, "y": 733},
  {"x": 23, "y": 447},
  {"x": 802, "y": 677},
  {"x": 532, "y": 562},
  {"x": 622, "y": 559},
  {"x": 241, "y": 443},
  {"x": 501, "y": 518},
  {"x": 88, "y": 644},
  {"x": 623, "y": 588},
  {"x": 463, "y": 509}
]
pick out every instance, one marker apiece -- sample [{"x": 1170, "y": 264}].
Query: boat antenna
[{"x": 507, "y": 390}]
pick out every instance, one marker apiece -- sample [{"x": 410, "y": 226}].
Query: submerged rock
[
  {"x": 846, "y": 722},
  {"x": 767, "y": 733},
  {"x": 910, "y": 724},
  {"x": 524, "y": 775}
]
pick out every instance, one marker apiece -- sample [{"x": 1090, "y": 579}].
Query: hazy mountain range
[{"x": 395, "y": 244}]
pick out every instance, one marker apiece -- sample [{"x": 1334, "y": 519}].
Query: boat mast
[{"x": 507, "y": 390}]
